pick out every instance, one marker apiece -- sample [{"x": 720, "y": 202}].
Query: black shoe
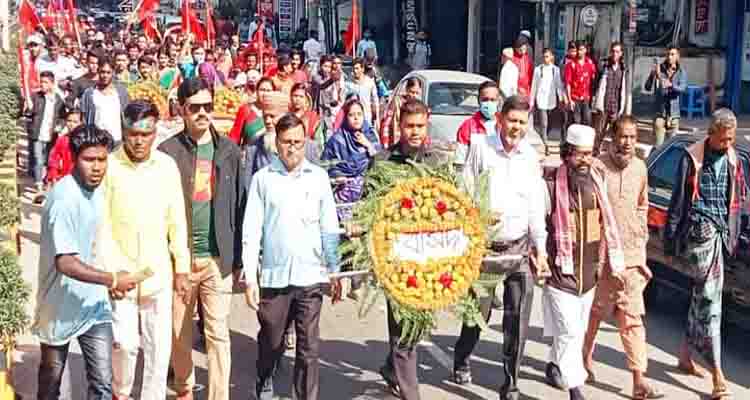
[
  {"x": 264, "y": 389},
  {"x": 553, "y": 376},
  {"x": 509, "y": 394},
  {"x": 576, "y": 394},
  {"x": 462, "y": 376},
  {"x": 390, "y": 379}
]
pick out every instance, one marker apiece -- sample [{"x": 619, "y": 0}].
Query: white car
[{"x": 452, "y": 97}]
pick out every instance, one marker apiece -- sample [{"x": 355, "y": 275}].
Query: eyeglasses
[
  {"x": 196, "y": 107},
  {"x": 296, "y": 144}
]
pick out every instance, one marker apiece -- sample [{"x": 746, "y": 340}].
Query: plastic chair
[{"x": 693, "y": 101}]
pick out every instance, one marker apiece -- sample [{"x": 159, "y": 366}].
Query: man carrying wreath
[{"x": 516, "y": 196}]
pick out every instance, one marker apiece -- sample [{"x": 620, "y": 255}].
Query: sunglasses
[{"x": 196, "y": 107}]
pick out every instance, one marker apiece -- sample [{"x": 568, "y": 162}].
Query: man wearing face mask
[
  {"x": 482, "y": 122},
  {"x": 517, "y": 196},
  {"x": 581, "y": 225},
  {"x": 626, "y": 177}
]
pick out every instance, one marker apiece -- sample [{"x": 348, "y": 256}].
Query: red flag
[
  {"x": 191, "y": 23},
  {"x": 210, "y": 29},
  {"x": 69, "y": 17},
  {"x": 22, "y": 65},
  {"x": 147, "y": 8},
  {"x": 352, "y": 31},
  {"x": 149, "y": 28},
  {"x": 27, "y": 17}
]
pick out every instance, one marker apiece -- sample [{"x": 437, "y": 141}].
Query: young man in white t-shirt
[{"x": 102, "y": 105}]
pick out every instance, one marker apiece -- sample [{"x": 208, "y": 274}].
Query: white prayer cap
[
  {"x": 253, "y": 76},
  {"x": 581, "y": 136},
  {"x": 36, "y": 39},
  {"x": 508, "y": 52},
  {"x": 240, "y": 80},
  {"x": 525, "y": 33}
]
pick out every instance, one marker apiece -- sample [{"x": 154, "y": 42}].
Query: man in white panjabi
[{"x": 581, "y": 226}]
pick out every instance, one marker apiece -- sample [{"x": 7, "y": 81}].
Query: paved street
[{"x": 353, "y": 349}]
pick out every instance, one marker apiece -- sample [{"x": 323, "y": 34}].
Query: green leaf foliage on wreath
[
  {"x": 14, "y": 295},
  {"x": 381, "y": 178}
]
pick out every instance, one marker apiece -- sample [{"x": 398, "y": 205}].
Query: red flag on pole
[
  {"x": 27, "y": 17},
  {"x": 210, "y": 29},
  {"x": 150, "y": 29},
  {"x": 191, "y": 23},
  {"x": 352, "y": 32},
  {"x": 25, "y": 92},
  {"x": 147, "y": 8}
]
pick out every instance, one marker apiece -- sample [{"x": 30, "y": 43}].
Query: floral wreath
[
  {"x": 427, "y": 216},
  {"x": 411, "y": 205}
]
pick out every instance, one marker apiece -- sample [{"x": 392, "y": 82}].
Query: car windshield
[{"x": 451, "y": 98}]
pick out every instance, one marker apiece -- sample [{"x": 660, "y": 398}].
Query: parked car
[
  {"x": 452, "y": 97},
  {"x": 662, "y": 174}
]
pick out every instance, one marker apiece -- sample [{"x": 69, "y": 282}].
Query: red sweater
[
  {"x": 525, "y": 73},
  {"x": 60, "y": 160},
  {"x": 472, "y": 126},
  {"x": 579, "y": 77}
]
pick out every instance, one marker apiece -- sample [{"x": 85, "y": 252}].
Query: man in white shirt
[
  {"x": 546, "y": 90},
  {"x": 367, "y": 45},
  {"x": 313, "y": 49},
  {"x": 364, "y": 87},
  {"x": 62, "y": 67},
  {"x": 103, "y": 104},
  {"x": 516, "y": 196},
  {"x": 509, "y": 75}
]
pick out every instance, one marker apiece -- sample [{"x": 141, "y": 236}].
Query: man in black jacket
[
  {"x": 48, "y": 107},
  {"x": 209, "y": 165}
]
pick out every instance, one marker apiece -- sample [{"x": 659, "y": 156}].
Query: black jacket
[
  {"x": 677, "y": 226},
  {"x": 37, "y": 114},
  {"x": 228, "y": 200}
]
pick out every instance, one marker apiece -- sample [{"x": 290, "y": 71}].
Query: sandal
[
  {"x": 692, "y": 370},
  {"x": 720, "y": 392},
  {"x": 590, "y": 378},
  {"x": 647, "y": 393}
]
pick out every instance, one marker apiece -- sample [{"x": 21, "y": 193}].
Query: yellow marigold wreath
[
  {"x": 150, "y": 91},
  {"x": 226, "y": 103},
  {"x": 426, "y": 206}
]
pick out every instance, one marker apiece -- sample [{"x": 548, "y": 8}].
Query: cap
[
  {"x": 240, "y": 80},
  {"x": 275, "y": 102},
  {"x": 525, "y": 33},
  {"x": 581, "y": 136},
  {"x": 253, "y": 76},
  {"x": 99, "y": 36},
  {"x": 36, "y": 39}
]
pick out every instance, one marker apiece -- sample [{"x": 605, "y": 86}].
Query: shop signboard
[
  {"x": 702, "y": 12},
  {"x": 589, "y": 15},
  {"x": 286, "y": 18}
]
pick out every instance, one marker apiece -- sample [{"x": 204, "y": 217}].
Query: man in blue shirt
[
  {"x": 290, "y": 208},
  {"x": 73, "y": 301}
]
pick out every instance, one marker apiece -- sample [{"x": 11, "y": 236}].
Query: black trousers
[
  {"x": 518, "y": 296},
  {"x": 402, "y": 360},
  {"x": 301, "y": 305}
]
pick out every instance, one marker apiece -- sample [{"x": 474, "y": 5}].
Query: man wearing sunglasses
[{"x": 209, "y": 166}]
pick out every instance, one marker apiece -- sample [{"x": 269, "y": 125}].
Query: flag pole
[{"x": 262, "y": 43}]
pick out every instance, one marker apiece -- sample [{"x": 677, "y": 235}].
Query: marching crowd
[{"x": 138, "y": 235}]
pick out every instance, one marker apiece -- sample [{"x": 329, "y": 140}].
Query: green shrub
[
  {"x": 14, "y": 295},
  {"x": 10, "y": 212}
]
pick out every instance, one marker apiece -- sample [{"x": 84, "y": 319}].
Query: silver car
[{"x": 452, "y": 97}]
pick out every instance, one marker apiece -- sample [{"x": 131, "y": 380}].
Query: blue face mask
[{"x": 488, "y": 109}]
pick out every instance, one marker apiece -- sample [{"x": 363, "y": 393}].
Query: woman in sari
[
  {"x": 249, "y": 120},
  {"x": 168, "y": 75},
  {"x": 352, "y": 147},
  {"x": 207, "y": 72},
  {"x": 301, "y": 106}
]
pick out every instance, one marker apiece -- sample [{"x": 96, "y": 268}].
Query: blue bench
[{"x": 693, "y": 101}]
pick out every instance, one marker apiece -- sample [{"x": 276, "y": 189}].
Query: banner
[
  {"x": 702, "y": 12},
  {"x": 410, "y": 24}
]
